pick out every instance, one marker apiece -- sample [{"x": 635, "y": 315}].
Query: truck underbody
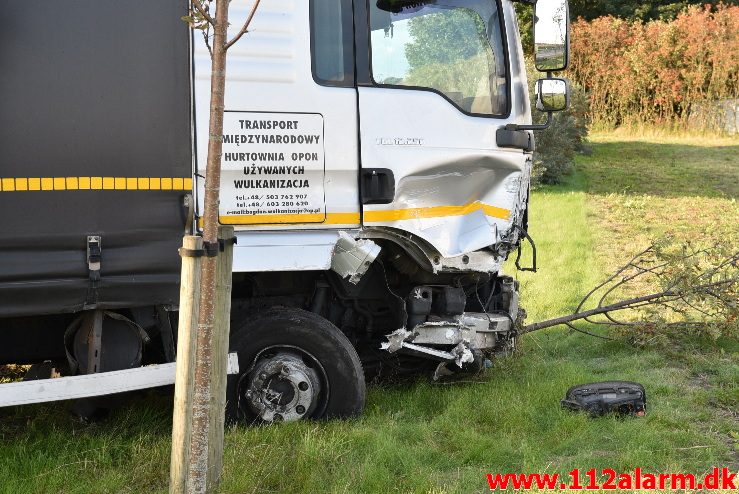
[{"x": 400, "y": 319}]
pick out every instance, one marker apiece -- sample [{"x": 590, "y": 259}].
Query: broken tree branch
[
  {"x": 587, "y": 313},
  {"x": 698, "y": 288},
  {"x": 631, "y": 303}
]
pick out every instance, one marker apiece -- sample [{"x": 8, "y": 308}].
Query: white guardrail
[{"x": 89, "y": 385}]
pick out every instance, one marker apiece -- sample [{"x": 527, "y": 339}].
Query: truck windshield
[{"x": 453, "y": 47}]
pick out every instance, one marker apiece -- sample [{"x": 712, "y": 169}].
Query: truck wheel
[{"x": 293, "y": 365}]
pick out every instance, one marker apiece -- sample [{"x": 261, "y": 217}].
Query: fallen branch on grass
[{"x": 691, "y": 288}]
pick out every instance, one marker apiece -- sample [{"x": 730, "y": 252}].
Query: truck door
[
  {"x": 290, "y": 151},
  {"x": 438, "y": 87}
]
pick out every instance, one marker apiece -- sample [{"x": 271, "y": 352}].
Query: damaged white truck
[{"x": 376, "y": 167}]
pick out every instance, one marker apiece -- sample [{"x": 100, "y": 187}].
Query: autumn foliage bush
[{"x": 658, "y": 72}]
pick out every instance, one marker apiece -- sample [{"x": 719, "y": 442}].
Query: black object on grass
[{"x": 602, "y": 398}]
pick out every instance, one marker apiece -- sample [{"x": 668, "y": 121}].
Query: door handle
[{"x": 377, "y": 186}]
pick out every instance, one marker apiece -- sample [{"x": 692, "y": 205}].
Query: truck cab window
[
  {"x": 332, "y": 42},
  {"x": 453, "y": 47}
]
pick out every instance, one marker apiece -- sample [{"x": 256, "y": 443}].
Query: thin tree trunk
[{"x": 197, "y": 471}]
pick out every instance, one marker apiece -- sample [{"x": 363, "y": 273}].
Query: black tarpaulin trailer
[{"x": 95, "y": 141}]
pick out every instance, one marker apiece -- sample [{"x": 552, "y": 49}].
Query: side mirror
[
  {"x": 552, "y": 94},
  {"x": 551, "y": 35}
]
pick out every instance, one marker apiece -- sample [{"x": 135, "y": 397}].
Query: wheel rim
[{"x": 284, "y": 384}]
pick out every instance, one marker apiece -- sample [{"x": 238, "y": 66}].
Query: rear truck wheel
[{"x": 293, "y": 365}]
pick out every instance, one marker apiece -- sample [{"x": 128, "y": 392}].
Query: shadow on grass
[
  {"x": 136, "y": 413},
  {"x": 660, "y": 169}
]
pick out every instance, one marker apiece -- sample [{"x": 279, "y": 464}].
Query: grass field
[{"x": 443, "y": 438}]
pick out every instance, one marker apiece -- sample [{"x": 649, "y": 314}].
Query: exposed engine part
[
  {"x": 460, "y": 354},
  {"x": 352, "y": 258},
  {"x": 449, "y": 301},
  {"x": 478, "y": 364},
  {"x": 438, "y": 312},
  {"x": 480, "y": 330},
  {"x": 457, "y": 338},
  {"x": 418, "y": 305},
  {"x": 442, "y": 301},
  {"x": 281, "y": 388},
  {"x": 396, "y": 339}
]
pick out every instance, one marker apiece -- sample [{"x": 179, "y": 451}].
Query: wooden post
[
  {"x": 198, "y": 454},
  {"x": 221, "y": 332},
  {"x": 184, "y": 379}
]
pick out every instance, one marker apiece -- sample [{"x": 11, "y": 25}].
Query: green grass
[
  {"x": 438, "y": 438},
  {"x": 664, "y": 166},
  {"x": 640, "y": 189}
]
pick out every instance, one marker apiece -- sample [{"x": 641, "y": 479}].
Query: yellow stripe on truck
[
  {"x": 385, "y": 216},
  {"x": 34, "y": 184}
]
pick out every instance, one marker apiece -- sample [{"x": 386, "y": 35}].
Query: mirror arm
[{"x": 543, "y": 126}]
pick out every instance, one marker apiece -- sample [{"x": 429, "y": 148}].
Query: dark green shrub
[{"x": 557, "y": 146}]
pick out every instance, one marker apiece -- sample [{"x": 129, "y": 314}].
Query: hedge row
[{"x": 658, "y": 72}]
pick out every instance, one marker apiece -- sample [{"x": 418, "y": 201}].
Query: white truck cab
[
  {"x": 376, "y": 163},
  {"x": 377, "y": 118}
]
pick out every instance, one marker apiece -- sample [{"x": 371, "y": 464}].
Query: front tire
[{"x": 294, "y": 365}]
